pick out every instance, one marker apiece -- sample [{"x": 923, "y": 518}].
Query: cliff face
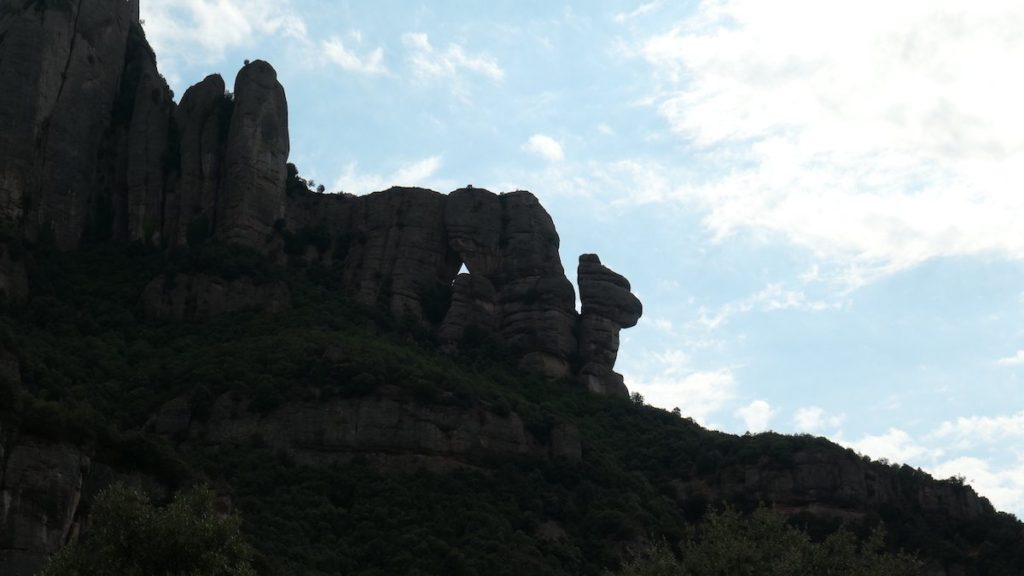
[{"x": 94, "y": 147}]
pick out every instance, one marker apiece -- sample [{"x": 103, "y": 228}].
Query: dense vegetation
[
  {"x": 763, "y": 544},
  {"x": 94, "y": 369},
  {"x": 131, "y": 537}
]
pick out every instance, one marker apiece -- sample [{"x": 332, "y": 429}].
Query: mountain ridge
[{"x": 181, "y": 307}]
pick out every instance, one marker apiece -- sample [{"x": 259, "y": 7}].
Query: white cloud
[
  {"x": 430, "y": 64},
  {"x": 698, "y": 394},
  {"x": 755, "y": 415},
  {"x": 816, "y": 419},
  {"x": 1003, "y": 487},
  {"x": 335, "y": 51},
  {"x": 772, "y": 297},
  {"x": 642, "y": 10},
  {"x": 419, "y": 173},
  {"x": 1015, "y": 360},
  {"x": 872, "y": 134},
  {"x": 971, "y": 431},
  {"x": 204, "y": 29},
  {"x": 546, "y": 147},
  {"x": 895, "y": 445}
]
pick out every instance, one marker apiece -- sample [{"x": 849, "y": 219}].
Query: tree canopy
[{"x": 131, "y": 537}]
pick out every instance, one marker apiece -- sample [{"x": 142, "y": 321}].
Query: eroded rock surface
[
  {"x": 202, "y": 296},
  {"x": 256, "y": 159},
  {"x": 61, "y": 67},
  {"x": 202, "y": 119},
  {"x": 94, "y": 147},
  {"x": 386, "y": 424},
  {"x": 40, "y": 488},
  {"x": 608, "y": 306}
]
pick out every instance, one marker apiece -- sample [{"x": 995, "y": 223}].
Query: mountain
[{"x": 180, "y": 307}]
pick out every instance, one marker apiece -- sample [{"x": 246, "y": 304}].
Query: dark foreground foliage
[
  {"x": 131, "y": 537},
  {"x": 763, "y": 544},
  {"x": 94, "y": 369}
]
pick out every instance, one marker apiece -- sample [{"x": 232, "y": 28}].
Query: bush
[{"x": 130, "y": 537}]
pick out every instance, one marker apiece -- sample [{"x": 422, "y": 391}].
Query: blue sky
[{"x": 819, "y": 202}]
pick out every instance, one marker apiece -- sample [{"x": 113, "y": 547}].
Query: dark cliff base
[{"x": 351, "y": 444}]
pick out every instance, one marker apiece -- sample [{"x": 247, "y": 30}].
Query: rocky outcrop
[
  {"x": 202, "y": 296},
  {"x": 830, "y": 482},
  {"x": 60, "y": 67},
  {"x": 147, "y": 156},
  {"x": 510, "y": 241},
  {"x": 40, "y": 488},
  {"x": 256, "y": 158},
  {"x": 202, "y": 120},
  {"x": 97, "y": 149},
  {"x": 608, "y": 306},
  {"x": 386, "y": 424}
]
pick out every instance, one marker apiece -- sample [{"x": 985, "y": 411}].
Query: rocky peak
[
  {"x": 256, "y": 159},
  {"x": 98, "y": 149},
  {"x": 608, "y": 306}
]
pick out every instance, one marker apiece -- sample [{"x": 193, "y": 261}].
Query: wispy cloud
[
  {"x": 876, "y": 136},
  {"x": 451, "y": 63},
  {"x": 1015, "y": 360},
  {"x": 418, "y": 173},
  {"x": 971, "y": 431},
  {"x": 205, "y": 29},
  {"x": 773, "y": 297},
  {"x": 335, "y": 52},
  {"x": 544, "y": 146},
  {"x": 641, "y": 10}
]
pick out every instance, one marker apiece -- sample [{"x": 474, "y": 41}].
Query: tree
[
  {"x": 637, "y": 398},
  {"x": 763, "y": 544},
  {"x": 131, "y": 537}
]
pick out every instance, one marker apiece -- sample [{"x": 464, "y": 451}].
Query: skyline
[{"x": 819, "y": 213}]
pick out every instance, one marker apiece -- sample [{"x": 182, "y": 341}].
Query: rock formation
[
  {"x": 202, "y": 119},
  {"x": 608, "y": 307},
  {"x": 41, "y": 489},
  {"x": 385, "y": 424},
  {"x": 256, "y": 158},
  {"x": 96, "y": 149},
  {"x": 61, "y": 68}
]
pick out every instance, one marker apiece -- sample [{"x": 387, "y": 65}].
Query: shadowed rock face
[
  {"x": 201, "y": 119},
  {"x": 41, "y": 488},
  {"x": 60, "y": 68},
  {"x": 256, "y": 158},
  {"x": 93, "y": 146},
  {"x": 608, "y": 307}
]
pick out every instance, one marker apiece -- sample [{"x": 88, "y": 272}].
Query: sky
[{"x": 819, "y": 202}]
